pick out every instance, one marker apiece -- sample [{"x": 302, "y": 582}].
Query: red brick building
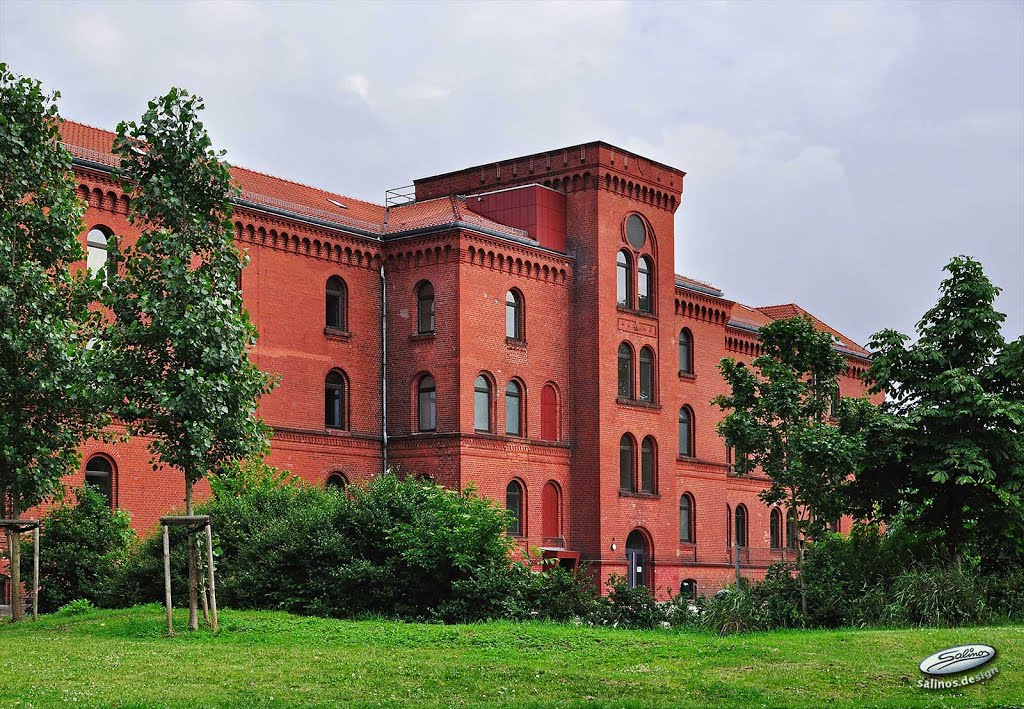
[{"x": 517, "y": 326}]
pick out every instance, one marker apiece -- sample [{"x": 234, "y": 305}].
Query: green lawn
[{"x": 122, "y": 658}]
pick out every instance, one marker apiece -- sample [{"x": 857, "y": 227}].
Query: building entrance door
[{"x": 637, "y": 562}]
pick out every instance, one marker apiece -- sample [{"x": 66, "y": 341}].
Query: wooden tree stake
[
  {"x": 35, "y": 573},
  {"x": 167, "y": 579},
  {"x": 213, "y": 583}
]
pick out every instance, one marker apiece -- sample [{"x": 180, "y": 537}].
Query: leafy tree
[
  {"x": 778, "y": 421},
  {"x": 181, "y": 337},
  {"x": 953, "y": 466},
  {"x": 48, "y": 399}
]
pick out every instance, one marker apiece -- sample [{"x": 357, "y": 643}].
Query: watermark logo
[{"x": 954, "y": 660}]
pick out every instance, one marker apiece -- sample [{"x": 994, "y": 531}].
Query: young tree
[
  {"x": 778, "y": 421},
  {"x": 954, "y": 465},
  {"x": 181, "y": 337},
  {"x": 48, "y": 399}
]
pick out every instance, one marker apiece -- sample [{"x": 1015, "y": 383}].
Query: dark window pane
[
  {"x": 622, "y": 279},
  {"x": 514, "y": 504},
  {"x": 427, "y": 405},
  {"x": 684, "y": 433},
  {"x": 741, "y": 526},
  {"x": 626, "y": 463},
  {"x": 334, "y": 401},
  {"x": 776, "y": 529},
  {"x": 636, "y": 231},
  {"x": 647, "y": 466},
  {"x": 643, "y": 285},
  {"x": 99, "y": 476},
  {"x": 513, "y": 316},
  {"x": 513, "y": 409},
  {"x": 425, "y": 309},
  {"x": 646, "y": 374},
  {"x": 335, "y": 303},
  {"x": 685, "y": 353},
  {"x": 625, "y": 372},
  {"x": 685, "y": 509},
  {"x": 482, "y": 404}
]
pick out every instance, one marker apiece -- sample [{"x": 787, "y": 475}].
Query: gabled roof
[
  {"x": 792, "y": 310},
  {"x": 443, "y": 211}
]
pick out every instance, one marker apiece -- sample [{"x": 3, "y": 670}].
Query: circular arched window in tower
[{"x": 636, "y": 231}]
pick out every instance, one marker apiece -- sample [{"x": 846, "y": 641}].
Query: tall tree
[
  {"x": 954, "y": 465},
  {"x": 777, "y": 420},
  {"x": 48, "y": 393},
  {"x": 181, "y": 337}
]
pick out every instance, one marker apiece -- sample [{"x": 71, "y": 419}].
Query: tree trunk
[
  {"x": 800, "y": 574},
  {"x": 193, "y": 614},
  {"x": 14, "y": 542}
]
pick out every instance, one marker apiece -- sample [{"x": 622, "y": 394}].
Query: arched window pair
[
  {"x": 686, "y": 449},
  {"x": 514, "y": 329},
  {"x": 99, "y": 475},
  {"x": 551, "y": 509},
  {"x": 685, "y": 351},
  {"x": 687, "y": 519},
  {"x": 627, "y": 465},
  {"x": 647, "y": 373},
  {"x": 644, "y": 282},
  {"x": 515, "y": 406},
  {"x": 336, "y": 400}
]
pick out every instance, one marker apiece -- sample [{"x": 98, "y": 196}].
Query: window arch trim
[
  {"x": 515, "y": 493},
  {"x": 685, "y": 351},
  {"x": 107, "y": 487},
  {"x": 686, "y": 430}
]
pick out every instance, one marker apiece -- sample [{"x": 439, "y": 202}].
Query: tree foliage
[
  {"x": 953, "y": 465},
  {"x": 48, "y": 390},
  {"x": 778, "y": 421},
  {"x": 181, "y": 337}
]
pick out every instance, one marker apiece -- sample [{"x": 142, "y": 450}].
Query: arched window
[
  {"x": 99, "y": 475},
  {"x": 426, "y": 404},
  {"x": 514, "y": 504},
  {"x": 482, "y": 404},
  {"x": 741, "y": 526},
  {"x": 97, "y": 250},
  {"x": 791, "y": 530},
  {"x": 425, "y": 308},
  {"x": 337, "y": 297},
  {"x": 685, "y": 351},
  {"x": 626, "y": 463},
  {"x": 646, "y": 374},
  {"x": 334, "y": 400},
  {"x": 514, "y": 315},
  {"x": 686, "y": 519},
  {"x": 549, "y": 413},
  {"x": 645, "y": 285},
  {"x": 728, "y": 526},
  {"x": 625, "y": 371},
  {"x": 776, "y": 528},
  {"x": 337, "y": 481},
  {"x": 688, "y": 588},
  {"x": 685, "y": 433},
  {"x": 623, "y": 278},
  {"x": 513, "y": 409},
  {"x": 551, "y": 508},
  {"x": 648, "y": 465}
]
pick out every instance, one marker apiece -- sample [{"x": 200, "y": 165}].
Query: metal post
[
  {"x": 35, "y": 573},
  {"x": 167, "y": 580},
  {"x": 213, "y": 583},
  {"x": 736, "y": 560}
]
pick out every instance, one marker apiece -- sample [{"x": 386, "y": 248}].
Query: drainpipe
[{"x": 383, "y": 369}]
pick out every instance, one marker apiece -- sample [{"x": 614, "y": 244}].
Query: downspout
[{"x": 384, "y": 369}]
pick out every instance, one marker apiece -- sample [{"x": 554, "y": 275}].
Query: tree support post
[
  {"x": 212, "y": 581},
  {"x": 167, "y": 579},
  {"x": 35, "y": 573}
]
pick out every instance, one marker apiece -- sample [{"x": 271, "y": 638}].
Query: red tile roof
[
  {"x": 792, "y": 310},
  {"x": 260, "y": 189}
]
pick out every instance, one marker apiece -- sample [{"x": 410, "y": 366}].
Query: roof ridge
[{"x": 302, "y": 184}]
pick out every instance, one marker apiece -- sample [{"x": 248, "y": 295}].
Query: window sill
[
  {"x": 641, "y": 495},
  {"x": 687, "y": 375},
  {"x": 515, "y": 343},
  {"x": 635, "y": 403},
  {"x": 639, "y": 313},
  {"x": 421, "y": 337},
  {"x": 336, "y": 431},
  {"x": 334, "y": 333}
]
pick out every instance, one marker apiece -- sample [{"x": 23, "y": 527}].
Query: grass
[{"x": 259, "y": 659}]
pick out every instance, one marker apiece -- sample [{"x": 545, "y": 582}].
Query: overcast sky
[{"x": 837, "y": 154}]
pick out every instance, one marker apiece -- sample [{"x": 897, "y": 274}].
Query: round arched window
[{"x": 636, "y": 231}]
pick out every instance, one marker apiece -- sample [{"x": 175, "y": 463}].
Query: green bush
[
  {"x": 626, "y": 607},
  {"x": 939, "y": 597},
  {"x": 82, "y": 546}
]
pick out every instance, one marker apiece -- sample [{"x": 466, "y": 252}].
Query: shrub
[
  {"x": 626, "y": 607},
  {"x": 939, "y": 596},
  {"x": 81, "y": 549}
]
